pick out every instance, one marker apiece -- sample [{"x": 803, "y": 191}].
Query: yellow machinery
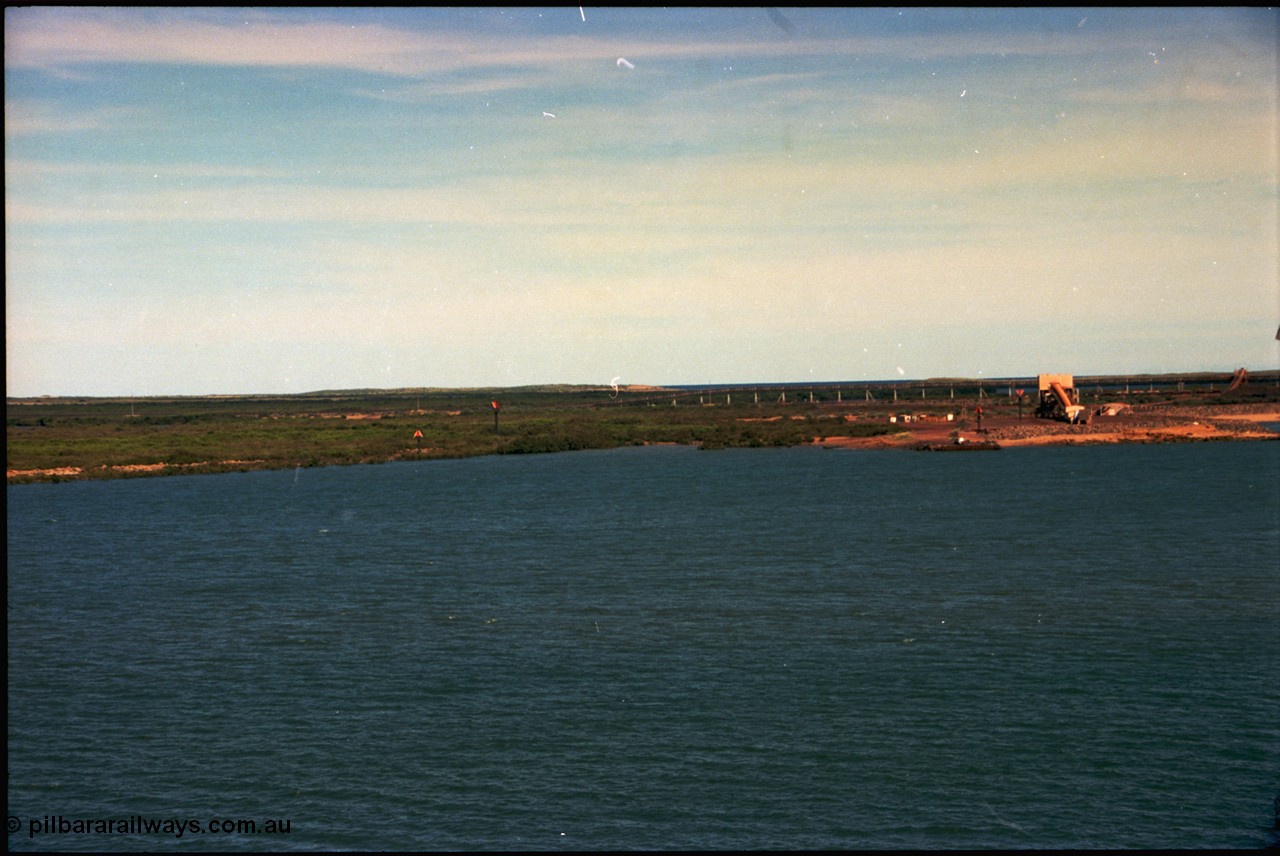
[{"x": 1059, "y": 398}]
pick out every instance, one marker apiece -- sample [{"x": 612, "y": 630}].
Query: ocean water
[{"x": 654, "y": 648}]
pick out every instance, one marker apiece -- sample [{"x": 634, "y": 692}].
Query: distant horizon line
[{"x": 1131, "y": 377}]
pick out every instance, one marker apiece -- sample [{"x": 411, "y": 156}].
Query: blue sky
[{"x": 275, "y": 200}]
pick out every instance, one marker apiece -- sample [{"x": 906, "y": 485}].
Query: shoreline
[
  {"x": 95, "y": 440},
  {"x": 1004, "y": 432}
]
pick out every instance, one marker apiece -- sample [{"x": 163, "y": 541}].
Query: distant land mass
[
  {"x": 82, "y": 437},
  {"x": 1151, "y": 379}
]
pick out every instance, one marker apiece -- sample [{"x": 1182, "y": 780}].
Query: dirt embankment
[
  {"x": 1140, "y": 425},
  {"x": 1149, "y": 425},
  {"x": 73, "y": 472}
]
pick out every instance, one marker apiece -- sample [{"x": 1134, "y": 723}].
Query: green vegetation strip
[
  {"x": 113, "y": 438},
  {"x": 50, "y": 439}
]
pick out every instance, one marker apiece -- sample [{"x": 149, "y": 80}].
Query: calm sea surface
[{"x": 655, "y": 648}]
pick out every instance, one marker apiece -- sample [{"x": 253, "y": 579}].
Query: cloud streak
[{"x": 50, "y": 37}]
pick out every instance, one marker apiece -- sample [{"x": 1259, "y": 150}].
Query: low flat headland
[{"x": 57, "y": 439}]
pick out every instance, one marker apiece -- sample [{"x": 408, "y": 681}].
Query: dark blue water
[{"x": 656, "y": 648}]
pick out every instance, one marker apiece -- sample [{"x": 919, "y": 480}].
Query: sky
[{"x": 278, "y": 200}]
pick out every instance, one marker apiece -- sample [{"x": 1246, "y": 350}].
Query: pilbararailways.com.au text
[{"x": 57, "y": 824}]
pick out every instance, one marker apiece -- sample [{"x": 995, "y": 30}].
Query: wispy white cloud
[
  {"x": 1082, "y": 159},
  {"x": 53, "y": 37},
  {"x": 25, "y": 117}
]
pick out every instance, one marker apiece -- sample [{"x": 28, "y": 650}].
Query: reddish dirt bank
[{"x": 1150, "y": 425}]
